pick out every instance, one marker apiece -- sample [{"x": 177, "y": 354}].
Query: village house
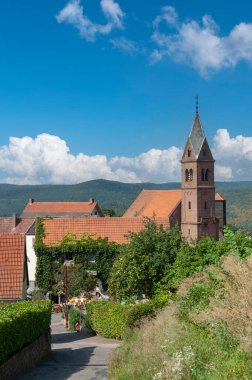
[{"x": 25, "y": 224}]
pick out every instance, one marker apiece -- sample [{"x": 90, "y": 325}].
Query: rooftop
[
  {"x": 12, "y": 259},
  {"x": 13, "y": 225},
  {"x": 64, "y": 209},
  {"x": 160, "y": 203},
  {"x": 115, "y": 229}
]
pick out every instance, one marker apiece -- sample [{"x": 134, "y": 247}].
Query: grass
[{"x": 206, "y": 334}]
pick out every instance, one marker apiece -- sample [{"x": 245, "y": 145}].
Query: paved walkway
[{"x": 74, "y": 356}]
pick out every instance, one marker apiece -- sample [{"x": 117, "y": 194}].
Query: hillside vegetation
[
  {"x": 204, "y": 334},
  {"x": 119, "y": 196}
]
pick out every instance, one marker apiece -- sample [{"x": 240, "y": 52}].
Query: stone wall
[{"x": 27, "y": 358}]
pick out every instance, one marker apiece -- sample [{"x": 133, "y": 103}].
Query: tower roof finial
[{"x": 197, "y": 104}]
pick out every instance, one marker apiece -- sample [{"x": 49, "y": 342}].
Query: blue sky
[{"x": 115, "y": 82}]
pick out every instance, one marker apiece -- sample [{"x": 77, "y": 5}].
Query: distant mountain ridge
[{"x": 119, "y": 196}]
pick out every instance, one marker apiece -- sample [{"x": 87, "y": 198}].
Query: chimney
[
  {"x": 31, "y": 200},
  {"x": 14, "y": 220},
  {"x": 91, "y": 200}
]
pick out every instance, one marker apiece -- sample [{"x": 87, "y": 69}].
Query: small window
[
  {"x": 189, "y": 205},
  {"x": 205, "y": 205},
  {"x": 205, "y": 225},
  {"x": 190, "y": 175},
  {"x": 189, "y": 153},
  {"x": 202, "y": 175},
  {"x": 189, "y": 232},
  {"x": 207, "y": 175},
  {"x": 204, "y": 152},
  {"x": 68, "y": 256},
  {"x": 187, "y": 175}
]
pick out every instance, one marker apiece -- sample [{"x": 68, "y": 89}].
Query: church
[{"x": 195, "y": 207}]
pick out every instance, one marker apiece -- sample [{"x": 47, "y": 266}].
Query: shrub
[
  {"x": 75, "y": 315},
  {"x": 22, "y": 323},
  {"x": 108, "y": 319},
  {"x": 112, "y": 319}
]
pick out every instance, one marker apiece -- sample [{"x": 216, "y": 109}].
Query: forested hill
[{"x": 119, "y": 196}]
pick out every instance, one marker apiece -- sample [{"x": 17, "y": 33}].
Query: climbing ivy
[{"x": 89, "y": 254}]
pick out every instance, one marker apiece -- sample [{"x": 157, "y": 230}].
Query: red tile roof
[
  {"x": 49, "y": 208},
  {"x": 7, "y": 225},
  {"x": 219, "y": 197},
  {"x": 12, "y": 261},
  {"x": 160, "y": 203},
  {"x": 114, "y": 229}
]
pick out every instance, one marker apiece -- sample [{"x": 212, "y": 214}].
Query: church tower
[{"x": 198, "y": 190}]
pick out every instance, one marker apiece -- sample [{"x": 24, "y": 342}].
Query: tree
[
  {"x": 143, "y": 263},
  {"x": 108, "y": 212}
]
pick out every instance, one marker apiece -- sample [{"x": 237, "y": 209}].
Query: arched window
[
  {"x": 189, "y": 205},
  {"x": 204, "y": 152},
  {"x": 187, "y": 175},
  {"x": 207, "y": 175},
  {"x": 189, "y": 153},
  {"x": 205, "y": 205},
  {"x": 202, "y": 175},
  {"x": 190, "y": 175}
]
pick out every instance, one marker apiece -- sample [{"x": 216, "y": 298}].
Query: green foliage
[
  {"x": 108, "y": 319},
  {"x": 144, "y": 262},
  {"x": 194, "y": 258},
  {"x": 237, "y": 242},
  {"x": 75, "y": 315},
  {"x": 44, "y": 272},
  {"x": 37, "y": 295},
  {"x": 22, "y": 323},
  {"x": 198, "y": 296},
  {"x": 108, "y": 212},
  {"x": 112, "y": 319},
  {"x": 89, "y": 254}
]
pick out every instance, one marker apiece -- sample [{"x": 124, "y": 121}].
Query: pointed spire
[
  {"x": 197, "y": 135},
  {"x": 197, "y": 104}
]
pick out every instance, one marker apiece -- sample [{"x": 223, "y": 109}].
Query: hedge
[
  {"x": 112, "y": 319},
  {"x": 22, "y": 323},
  {"x": 75, "y": 315}
]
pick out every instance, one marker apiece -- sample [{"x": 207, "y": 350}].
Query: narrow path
[{"x": 74, "y": 356}]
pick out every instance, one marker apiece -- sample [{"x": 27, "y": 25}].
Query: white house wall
[{"x": 31, "y": 259}]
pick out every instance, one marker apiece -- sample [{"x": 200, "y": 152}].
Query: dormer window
[{"x": 189, "y": 153}]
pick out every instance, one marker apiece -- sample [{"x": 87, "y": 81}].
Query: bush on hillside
[
  {"x": 22, "y": 323},
  {"x": 204, "y": 341},
  {"x": 112, "y": 319}
]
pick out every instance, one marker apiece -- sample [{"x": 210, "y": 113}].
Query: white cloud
[
  {"x": 124, "y": 45},
  {"x": 235, "y": 154},
  {"x": 200, "y": 44},
  {"x": 73, "y": 14},
  {"x": 47, "y": 159},
  {"x": 155, "y": 165},
  {"x": 112, "y": 11}
]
